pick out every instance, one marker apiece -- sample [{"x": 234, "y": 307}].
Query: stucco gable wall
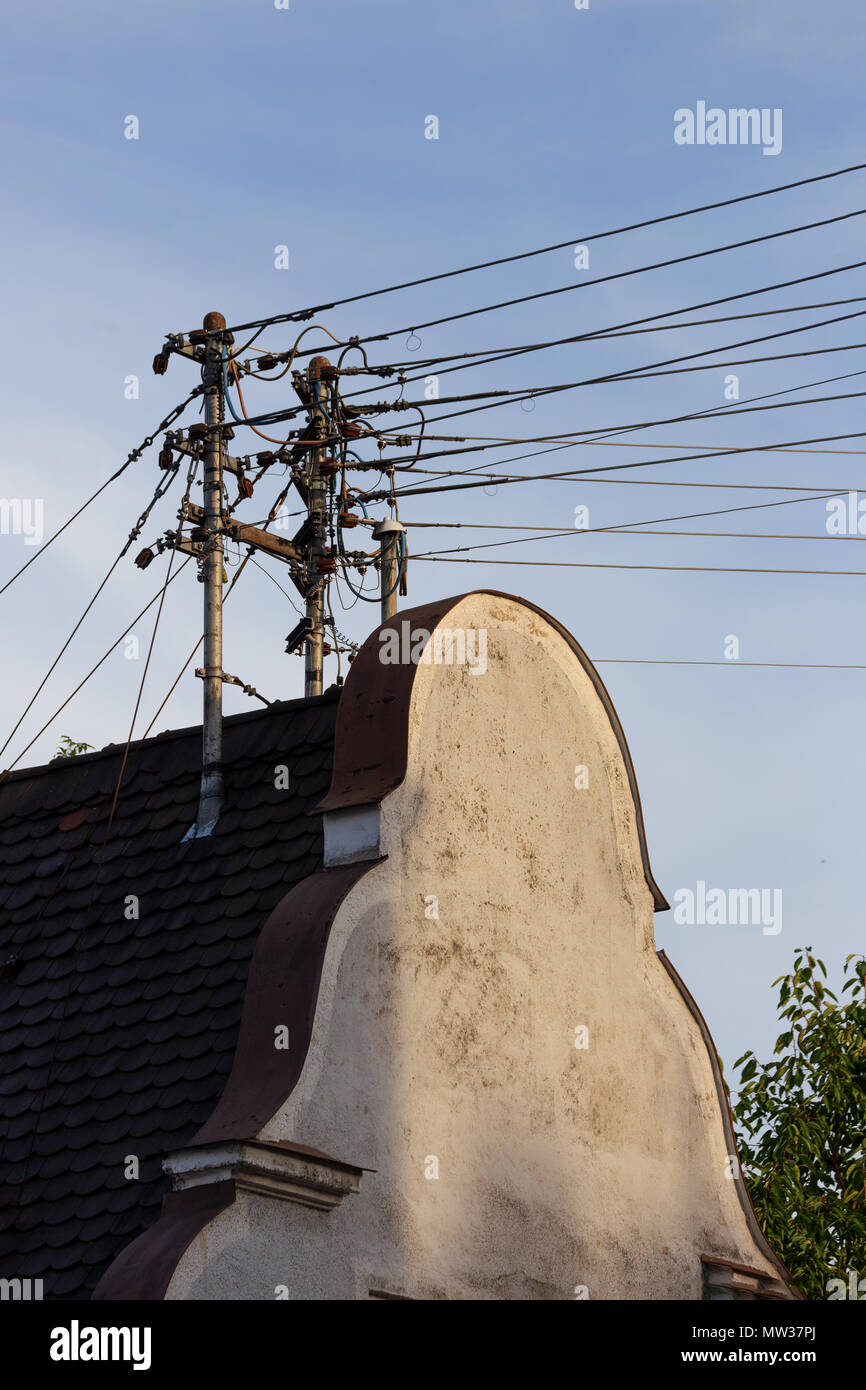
[{"x": 446, "y": 1043}]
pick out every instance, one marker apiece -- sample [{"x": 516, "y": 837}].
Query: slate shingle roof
[{"x": 117, "y": 1034}]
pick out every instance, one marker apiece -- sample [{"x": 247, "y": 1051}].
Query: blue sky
[{"x": 305, "y": 127}]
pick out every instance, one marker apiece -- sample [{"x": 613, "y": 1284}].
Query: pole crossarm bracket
[
  {"x": 283, "y": 550},
  {"x": 228, "y": 679},
  {"x": 287, "y": 551},
  {"x": 194, "y": 450},
  {"x": 194, "y": 548}
]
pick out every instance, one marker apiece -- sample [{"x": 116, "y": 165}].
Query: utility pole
[
  {"x": 212, "y": 788},
  {"x": 317, "y": 393},
  {"x": 314, "y": 455},
  {"x": 389, "y": 532}
]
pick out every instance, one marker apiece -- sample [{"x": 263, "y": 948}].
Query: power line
[
  {"x": 132, "y": 457},
  {"x": 628, "y": 526},
  {"x": 501, "y": 354},
  {"x": 620, "y": 444},
  {"x": 329, "y": 422},
  {"x": 551, "y": 532},
  {"x": 577, "y": 436},
  {"x": 494, "y": 478},
  {"x": 607, "y": 279},
  {"x": 664, "y": 661},
  {"x": 515, "y": 395},
  {"x": 283, "y": 591},
  {"x": 714, "y": 414},
  {"x": 5, "y": 773},
  {"x": 647, "y": 372},
  {"x": 161, "y": 489},
  {"x": 41, "y": 686},
  {"x": 611, "y": 467},
  {"x": 604, "y": 333},
  {"x": 597, "y": 565},
  {"x": 496, "y": 399},
  {"x": 544, "y": 250}
]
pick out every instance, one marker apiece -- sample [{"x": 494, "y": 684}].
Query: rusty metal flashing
[
  {"x": 282, "y": 988},
  {"x": 143, "y": 1269},
  {"x": 283, "y": 983},
  {"x": 371, "y": 746}
]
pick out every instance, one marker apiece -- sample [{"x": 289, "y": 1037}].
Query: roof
[{"x": 117, "y": 1032}]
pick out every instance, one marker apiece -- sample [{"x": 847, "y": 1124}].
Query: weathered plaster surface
[{"x": 452, "y": 1037}]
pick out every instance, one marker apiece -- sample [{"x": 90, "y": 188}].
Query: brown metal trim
[
  {"x": 143, "y": 1269},
  {"x": 371, "y": 741},
  {"x": 731, "y": 1141},
  {"x": 282, "y": 988},
  {"x": 371, "y": 746}
]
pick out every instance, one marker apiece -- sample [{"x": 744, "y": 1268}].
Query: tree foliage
[
  {"x": 70, "y": 749},
  {"x": 801, "y": 1126}
]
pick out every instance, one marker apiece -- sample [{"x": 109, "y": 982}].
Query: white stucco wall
[{"x": 454, "y": 1037}]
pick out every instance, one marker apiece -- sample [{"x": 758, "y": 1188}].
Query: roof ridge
[{"x": 113, "y": 750}]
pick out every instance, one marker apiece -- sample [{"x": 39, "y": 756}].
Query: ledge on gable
[
  {"x": 723, "y": 1279},
  {"x": 288, "y": 1172}
]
